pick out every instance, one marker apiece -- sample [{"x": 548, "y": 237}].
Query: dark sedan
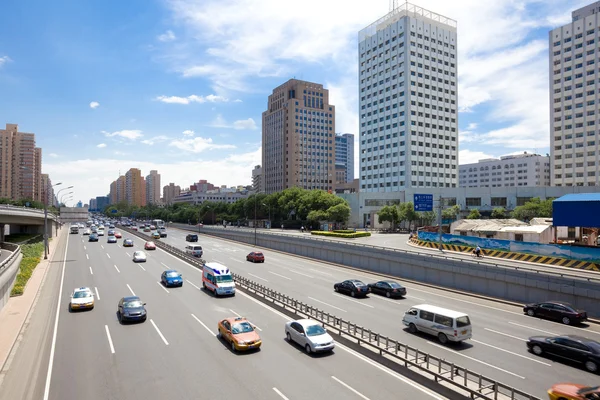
[
  {"x": 131, "y": 309},
  {"x": 353, "y": 287},
  {"x": 128, "y": 243},
  {"x": 577, "y": 349},
  {"x": 388, "y": 288},
  {"x": 93, "y": 237},
  {"x": 556, "y": 310},
  {"x": 171, "y": 278}
]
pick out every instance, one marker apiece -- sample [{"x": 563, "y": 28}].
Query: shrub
[
  {"x": 341, "y": 235},
  {"x": 344, "y": 231},
  {"x": 32, "y": 254}
]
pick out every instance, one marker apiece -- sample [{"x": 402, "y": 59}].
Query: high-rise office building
[
  {"x": 20, "y": 165},
  {"x": 101, "y": 203},
  {"x": 344, "y": 155},
  {"x": 135, "y": 187},
  {"x": 575, "y": 100},
  {"x": 513, "y": 170},
  {"x": 257, "y": 175},
  {"x": 298, "y": 131},
  {"x": 170, "y": 191},
  {"x": 47, "y": 195},
  {"x": 408, "y": 101},
  {"x": 153, "y": 187}
]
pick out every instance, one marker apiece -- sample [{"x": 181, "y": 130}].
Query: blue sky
[{"x": 180, "y": 85}]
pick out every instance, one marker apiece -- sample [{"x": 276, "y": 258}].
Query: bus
[{"x": 158, "y": 223}]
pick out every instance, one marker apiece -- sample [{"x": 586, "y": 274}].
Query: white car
[
  {"x": 139, "y": 256},
  {"x": 310, "y": 335},
  {"x": 100, "y": 232},
  {"x": 82, "y": 298},
  {"x": 88, "y": 232}
]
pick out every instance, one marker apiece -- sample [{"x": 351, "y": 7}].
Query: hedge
[
  {"x": 32, "y": 254},
  {"x": 341, "y": 235},
  {"x": 344, "y": 231}
]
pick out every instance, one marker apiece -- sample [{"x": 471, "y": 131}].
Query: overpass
[{"x": 25, "y": 220}]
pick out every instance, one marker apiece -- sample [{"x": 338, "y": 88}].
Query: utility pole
[{"x": 440, "y": 223}]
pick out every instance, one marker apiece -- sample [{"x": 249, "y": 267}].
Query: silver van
[
  {"x": 194, "y": 250},
  {"x": 446, "y": 324}
]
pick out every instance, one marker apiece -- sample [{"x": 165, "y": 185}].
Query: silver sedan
[
  {"x": 310, "y": 335},
  {"x": 139, "y": 256}
]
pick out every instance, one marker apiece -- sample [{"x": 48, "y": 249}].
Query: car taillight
[
  {"x": 455, "y": 332},
  {"x": 395, "y": 290}
]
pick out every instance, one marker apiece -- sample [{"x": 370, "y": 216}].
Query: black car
[
  {"x": 556, "y": 310},
  {"x": 162, "y": 233},
  {"x": 388, "y": 289},
  {"x": 353, "y": 287},
  {"x": 93, "y": 237},
  {"x": 131, "y": 309},
  {"x": 573, "y": 348},
  {"x": 191, "y": 238}
]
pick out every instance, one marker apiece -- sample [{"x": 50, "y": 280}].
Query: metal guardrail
[
  {"x": 9, "y": 259},
  {"x": 458, "y": 378},
  {"x": 423, "y": 254}
]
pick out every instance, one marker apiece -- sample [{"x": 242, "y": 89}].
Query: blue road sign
[
  {"x": 423, "y": 202},
  {"x": 113, "y": 211}
]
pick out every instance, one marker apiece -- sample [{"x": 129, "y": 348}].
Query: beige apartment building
[
  {"x": 170, "y": 191},
  {"x": 117, "y": 191},
  {"x": 153, "y": 187},
  {"x": 298, "y": 138},
  {"x": 135, "y": 187},
  {"x": 20, "y": 165}
]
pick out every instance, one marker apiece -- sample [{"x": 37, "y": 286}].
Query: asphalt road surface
[
  {"x": 499, "y": 331},
  {"x": 175, "y": 353}
]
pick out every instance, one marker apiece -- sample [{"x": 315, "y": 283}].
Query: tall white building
[
  {"x": 514, "y": 170},
  {"x": 153, "y": 187},
  {"x": 257, "y": 175},
  {"x": 344, "y": 154},
  {"x": 408, "y": 101},
  {"x": 575, "y": 99}
]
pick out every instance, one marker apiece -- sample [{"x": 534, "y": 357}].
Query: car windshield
[
  {"x": 133, "y": 304},
  {"x": 150, "y": 243},
  {"x": 585, "y": 390},
  {"x": 173, "y": 274},
  {"x": 224, "y": 278},
  {"x": 258, "y": 254},
  {"x": 139, "y": 254},
  {"x": 315, "y": 330},
  {"x": 242, "y": 327},
  {"x": 595, "y": 346},
  {"x": 358, "y": 283},
  {"x": 81, "y": 295},
  {"x": 461, "y": 322}
]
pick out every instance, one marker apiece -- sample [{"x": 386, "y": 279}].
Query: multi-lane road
[{"x": 175, "y": 353}]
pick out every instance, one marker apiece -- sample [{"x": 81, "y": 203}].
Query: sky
[{"x": 180, "y": 85}]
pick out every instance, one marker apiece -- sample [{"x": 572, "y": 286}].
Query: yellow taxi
[
  {"x": 155, "y": 235},
  {"x": 239, "y": 333},
  {"x": 574, "y": 391}
]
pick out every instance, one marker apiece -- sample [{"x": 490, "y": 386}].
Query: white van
[
  {"x": 446, "y": 324},
  {"x": 217, "y": 278},
  {"x": 194, "y": 250}
]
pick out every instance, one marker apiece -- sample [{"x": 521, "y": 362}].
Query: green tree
[
  {"x": 389, "y": 214},
  {"x": 474, "y": 214},
  {"x": 499, "y": 213},
  {"x": 533, "y": 208},
  {"x": 317, "y": 215},
  {"x": 426, "y": 217},
  {"x": 451, "y": 212},
  {"x": 406, "y": 212},
  {"x": 339, "y": 212}
]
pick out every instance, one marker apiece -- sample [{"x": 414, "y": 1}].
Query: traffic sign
[
  {"x": 113, "y": 211},
  {"x": 423, "y": 202}
]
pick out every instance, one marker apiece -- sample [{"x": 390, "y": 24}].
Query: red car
[
  {"x": 255, "y": 256},
  {"x": 150, "y": 246},
  {"x": 118, "y": 235}
]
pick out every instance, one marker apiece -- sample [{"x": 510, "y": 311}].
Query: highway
[
  {"x": 499, "y": 330},
  {"x": 175, "y": 353}
]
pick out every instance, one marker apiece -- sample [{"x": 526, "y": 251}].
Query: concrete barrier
[
  {"x": 507, "y": 283},
  {"x": 8, "y": 272}
]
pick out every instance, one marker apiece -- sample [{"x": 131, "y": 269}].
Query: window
[
  {"x": 443, "y": 320},
  {"x": 426, "y": 315},
  {"x": 518, "y": 237},
  {"x": 473, "y": 201}
]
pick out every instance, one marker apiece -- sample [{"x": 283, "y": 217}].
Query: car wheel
[
  {"x": 233, "y": 346},
  {"x": 288, "y": 337},
  {"x": 443, "y": 338},
  {"x": 412, "y": 328},
  {"x": 388, "y": 294},
  {"x": 591, "y": 366},
  {"x": 203, "y": 285},
  {"x": 308, "y": 349},
  {"x": 566, "y": 320},
  {"x": 537, "y": 350},
  {"x": 219, "y": 334},
  {"x": 336, "y": 289},
  {"x": 353, "y": 293},
  {"x": 531, "y": 313}
]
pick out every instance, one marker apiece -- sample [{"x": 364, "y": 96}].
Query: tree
[
  {"x": 499, "y": 213},
  {"x": 339, "y": 212},
  {"x": 389, "y": 214},
  {"x": 451, "y": 212},
  {"x": 426, "y": 217},
  {"x": 533, "y": 208},
  {"x": 406, "y": 212},
  {"x": 317, "y": 215},
  {"x": 474, "y": 214}
]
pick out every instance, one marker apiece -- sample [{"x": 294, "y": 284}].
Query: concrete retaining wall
[
  {"x": 8, "y": 275},
  {"x": 504, "y": 283}
]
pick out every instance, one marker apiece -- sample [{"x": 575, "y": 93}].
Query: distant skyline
[{"x": 179, "y": 85}]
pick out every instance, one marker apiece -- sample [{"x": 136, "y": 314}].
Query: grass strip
[{"x": 32, "y": 255}]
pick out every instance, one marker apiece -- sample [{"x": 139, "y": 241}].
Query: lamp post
[
  {"x": 46, "y": 247},
  {"x": 255, "y": 220},
  {"x": 269, "y": 206}
]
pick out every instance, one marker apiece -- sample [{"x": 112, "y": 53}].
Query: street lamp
[
  {"x": 63, "y": 196},
  {"x": 269, "y": 213}
]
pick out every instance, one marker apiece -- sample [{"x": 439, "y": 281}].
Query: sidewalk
[{"x": 15, "y": 312}]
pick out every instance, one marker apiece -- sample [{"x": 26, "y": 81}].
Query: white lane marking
[
  {"x": 238, "y": 315},
  {"x": 164, "y": 265},
  {"x": 355, "y": 301},
  {"x": 118, "y": 245},
  {"x": 217, "y": 261},
  {"x": 140, "y": 265},
  {"x": 534, "y": 329},
  {"x": 159, "y": 332},
  {"x": 280, "y": 394},
  {"x": 414, "y": 297},
  {"x": 236, "y": 260},
  {"x": 362, "y": 396},
  {"x": 86, "y": 256},
  {"x": 130, "y": 289},
  {"x": 91, "y": 272},
  {"x": 510, "y": 352},
  {"x": 257, "y": 277},
  {"x": 110, "y": 342},
  {"x": 128, "y": 255},
  {"x": 354, "y": 353},
  {"x": 55, "y": 332},
  {"x": 102, "y": 247},
  {"x": 97, "y": 294},
  {"x": 476, "y": 360},
  {"x": 192, "y": 284},
  {"x": 85, "y": 248},
  {"x": 505, "y": 334},
  {"x": 327, "y": 304},
  {"x": 300, "y": 273},
  {"x": 108, "y": 255},
  {"x": 117, "y": 269},
  {"x": 321, "y": 272},
  {"x": 281, "y": 276},
  {"x": 161, "y": 285},
  {"x": 205, "y": 327}
]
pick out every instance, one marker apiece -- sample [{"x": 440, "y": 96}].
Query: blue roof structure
[{"x": 577, "y": 210}]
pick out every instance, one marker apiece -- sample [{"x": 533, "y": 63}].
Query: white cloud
[
  {"x": 469, "y": 157},
  {"x": 243, "y": 124},
  {"x": 94, "y": 104},
  {"x": 198, "y": 145},
  {"x": 168, "y": 36},
  {"x": 472, "y": 126},
  {"x": 128, "y": 134},
  {"x": 4, "y": 60},
  {"x": 211, "y": 98},
  {"x": 101, "y": 145},
  {"x": 155, "y": 139},
  {"x": 188, "y": 132},
  {"x": 53, "y": 155}
]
